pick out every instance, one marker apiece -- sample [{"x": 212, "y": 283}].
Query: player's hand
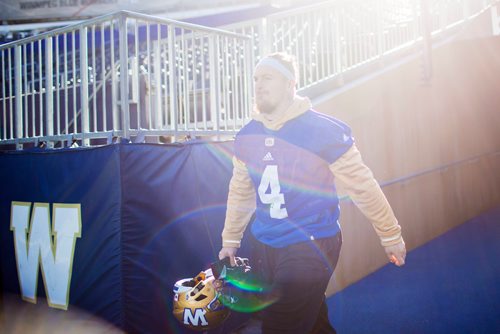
[
  {"x": 396, "y": 253},
  {"x": 229, "y": 252}
]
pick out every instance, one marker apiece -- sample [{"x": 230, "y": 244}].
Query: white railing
[
  {"x": 68, "y": 84},
  {"x": 334, "y": 37},
  {"x": 183, "y": 79}
]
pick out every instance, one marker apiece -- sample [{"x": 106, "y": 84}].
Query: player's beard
[
  {"x": 264, "y": 104},
  {"x": 265, "y": 107},
  {"x": 269, "y": 103}
]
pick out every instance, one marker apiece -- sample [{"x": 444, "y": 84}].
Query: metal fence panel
[{"x": 123, "y": 75}]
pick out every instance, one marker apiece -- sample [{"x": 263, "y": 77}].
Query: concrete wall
[{"x": 403, "y": 126}]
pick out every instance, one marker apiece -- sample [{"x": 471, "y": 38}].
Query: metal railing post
[
  {"x": 84, "y": 86},
  {"x": 427, "y": 42},
  {"x": 465, "y": 10},
  {"x": 337, "y": 46},
  {"x": 172, "y": 80},
  {"x": 265, "y": 39},
  {"x": 443, "y": 15},
  {"x": 248, "y": 88},
  {"x": 380, "y": 32},
  {"x": 49, "y": 92},
  {"x": 124, "y": 105},
  {"x": 114, "y": 90},
  {"x": 214, "y": 69},
  {"x": 18, "y": 93},
  {"x": 157, "y": 119},
  {"x": 415, "y": 25},
  {"x": 495, "y": 21}
]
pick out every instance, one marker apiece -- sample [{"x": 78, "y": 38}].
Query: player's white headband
[{"x": 275, "y": 64}]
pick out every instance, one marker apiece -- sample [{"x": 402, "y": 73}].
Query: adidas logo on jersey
[{"x": 268, "y": 157}]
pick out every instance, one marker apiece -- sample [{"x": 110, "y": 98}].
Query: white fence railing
[
  {"x": 69, "y": 85},
  {"x": 333, "y": 37}
]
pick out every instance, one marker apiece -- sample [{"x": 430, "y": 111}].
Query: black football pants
[{"x": 298, "y": 276}]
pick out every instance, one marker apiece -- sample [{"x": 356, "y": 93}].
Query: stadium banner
[
  {"x": 111, "y": 229},
  {"x": 60, "y": 228}
]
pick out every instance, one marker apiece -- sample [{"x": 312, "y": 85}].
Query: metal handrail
[{"x": 107, "y": 17}]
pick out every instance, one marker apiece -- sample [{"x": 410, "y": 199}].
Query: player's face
[{"x": 272, "y": 89}]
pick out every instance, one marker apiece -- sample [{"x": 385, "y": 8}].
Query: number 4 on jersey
[{"x": 275, "y": 199}]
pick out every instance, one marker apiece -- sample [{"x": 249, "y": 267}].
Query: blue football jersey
[{"x": 289, "y": 167}]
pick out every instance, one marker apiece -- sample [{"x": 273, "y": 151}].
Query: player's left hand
[{"x": 396, "y": 253}]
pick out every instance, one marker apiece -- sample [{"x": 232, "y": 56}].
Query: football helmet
[
  {"x": 196, "y": 302},
  {"x": 204, "y": 302}
]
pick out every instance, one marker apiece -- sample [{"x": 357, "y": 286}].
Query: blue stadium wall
[{"x": 150, "y": 215}]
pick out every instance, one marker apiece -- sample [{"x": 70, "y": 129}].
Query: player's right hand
[
  {"x": 396, "y": 253},
  {"x": 229, "y": 252}
]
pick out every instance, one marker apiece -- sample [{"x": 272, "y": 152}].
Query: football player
[{"x": 285, "y": 162}]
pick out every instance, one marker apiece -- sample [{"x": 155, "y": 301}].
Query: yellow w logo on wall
[{"x": 52, "y": 247}]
